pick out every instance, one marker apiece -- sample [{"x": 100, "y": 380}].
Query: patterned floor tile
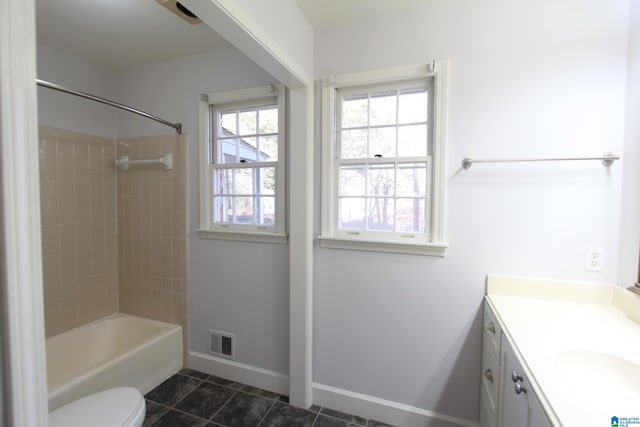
[
  {"x": 373, "y": 423},
  {"x": 192, "y": 398},
  {"x": 243, "y": 410},
  {"x": 260, "y": 392},
  {"x": 224, "y": 382},
  {"x": 283, "y": 415},
  {"x": 205, "y": 400},
  {"x": 324, "y": 421},
  {"x": 353, "y": 419},
  {"x": 153, "y": 412},
  {"x": 173, "y": 390},
  {"x": 178, "y": 419}
]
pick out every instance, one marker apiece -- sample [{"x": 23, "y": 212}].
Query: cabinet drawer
[
  {"x": 490, "y": 374},
  {"x": 487, "y": 417},
  {"x": 492, "y": 330}
]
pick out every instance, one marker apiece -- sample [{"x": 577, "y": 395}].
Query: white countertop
[{"x": 580, "y": 344}]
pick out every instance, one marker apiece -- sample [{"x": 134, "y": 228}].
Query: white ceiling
[
  {"x": 323, "y": 13},
  {"x": 120, "y": 34}
]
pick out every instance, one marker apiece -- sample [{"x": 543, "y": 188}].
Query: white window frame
[
  {"x": 241, "y": 232},
  {"x": 432, "y": 242}
]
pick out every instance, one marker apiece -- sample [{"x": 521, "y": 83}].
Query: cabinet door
[
  {"x": 512, "y": 407},
  {"x": 517, "y": 409},
  {"x": 536, "y": 415}
]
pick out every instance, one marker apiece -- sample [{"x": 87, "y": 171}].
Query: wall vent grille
[{"x": 222, "y": 344}]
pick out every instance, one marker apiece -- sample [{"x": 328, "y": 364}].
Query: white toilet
[{"x": 116, "y": 407}]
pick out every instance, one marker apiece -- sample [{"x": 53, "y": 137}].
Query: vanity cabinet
[{"x": 506, "y": 398}]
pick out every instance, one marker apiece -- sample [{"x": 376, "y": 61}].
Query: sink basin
[{"x": 593, "y": 380}]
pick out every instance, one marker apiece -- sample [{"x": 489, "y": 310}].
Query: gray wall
[
  {"x": 61, "y": 110},
  {"x": 235, "y": 287},
  {"x": 527, "y": 78}
]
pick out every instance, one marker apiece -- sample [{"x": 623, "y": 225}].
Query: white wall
[
  {"x": 630, "y": 212},
  {"x": 235, "y": 287},
  {"x": 66, "y": 111},
  {"x": 527, "y": 78}
]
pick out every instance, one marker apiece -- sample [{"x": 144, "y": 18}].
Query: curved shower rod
[{"x": 176, "y": 126}]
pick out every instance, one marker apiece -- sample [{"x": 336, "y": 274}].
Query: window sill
[
  {"x": 429, "y": 249},
  {"x": 243, "y": 236}
]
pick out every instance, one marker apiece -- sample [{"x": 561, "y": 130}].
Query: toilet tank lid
[{"x": 116, "y": 407}]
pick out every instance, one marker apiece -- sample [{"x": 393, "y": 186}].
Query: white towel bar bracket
[{"x": 167, "y": 161}]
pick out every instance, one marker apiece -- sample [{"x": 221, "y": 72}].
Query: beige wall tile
[
  {"x": 89, "y": 270},
  {"x": 76, "y": 293}
]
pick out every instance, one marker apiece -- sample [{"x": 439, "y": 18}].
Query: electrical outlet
[{"x": 594, "y": 259}]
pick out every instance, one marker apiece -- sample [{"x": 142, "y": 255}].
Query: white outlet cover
[{"x": 594, "y": 259}]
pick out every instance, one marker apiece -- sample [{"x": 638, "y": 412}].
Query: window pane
[
  {"x": 268, "y": 118},
  {"x": 268, "y": 148},
  {"x": 248, "y": 149},
  {"x": 223, "y": 209},
  {"x": 412, "y": 107},
  {"x": 223, "y": 181},
  {"x": 381, "y": 180},
  {"x": 354, "y": 112},
  {"x": 411, "y": 179},
  {"x": 412, "y": 141},
  {"x": 352, "y": 213},
  {"x": 244, "y": 210},
  {"x": 227, "y": 124},
  {"x": 352, "y": 180},
  {"x": 353, "y": 144},
  {"x": 382, "y": 142},
  {"x": 248, "y": 122},
  {"x": 380, "y": 214},
  {"x": 243, "y": 181},
  {"x": 265, "y": 210},
  {"x": 382, "y": 110},
  {"x": 227, "y": 150},
  {"x": 266, "y": 180},
  {"x": 410, "y": 215}
]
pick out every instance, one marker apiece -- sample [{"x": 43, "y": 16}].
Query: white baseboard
[
  {"x": 386, "y": 411},
  {"x": 236, "y": 371},
  {"x": 331, "y": 397}
]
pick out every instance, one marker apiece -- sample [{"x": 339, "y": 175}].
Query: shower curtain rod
[{"x": 176, "y": 126}]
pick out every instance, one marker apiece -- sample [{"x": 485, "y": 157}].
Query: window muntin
[
  {"x": 382, "y": 160},
  {"x": 242, "y": 173},
  {"x": 245, "y": 156}
]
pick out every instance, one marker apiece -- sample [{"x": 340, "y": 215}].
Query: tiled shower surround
[
  {"x": 151, "y": 231},
  {"x": 112, "y": 240},
  {"x": 78, "y": 205}
]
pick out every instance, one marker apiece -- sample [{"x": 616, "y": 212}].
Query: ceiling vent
[{"x": 180, "y": 10}]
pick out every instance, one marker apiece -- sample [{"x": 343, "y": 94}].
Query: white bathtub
[{"x": 119, "y": 350}]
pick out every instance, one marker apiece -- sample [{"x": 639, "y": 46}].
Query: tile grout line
[
  {"x": 183, "y": 397},
  {"x": 224, "y": 405},
  {"x": 267, "y": 413}
]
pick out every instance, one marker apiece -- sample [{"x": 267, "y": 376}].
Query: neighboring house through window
[
  {"x": 242, "y": 165},
  {"x": 383, "y": 160}
]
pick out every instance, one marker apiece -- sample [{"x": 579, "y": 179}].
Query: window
[
  {"x": 383, "y": 160},
  {"x": 242, "y": 165}
]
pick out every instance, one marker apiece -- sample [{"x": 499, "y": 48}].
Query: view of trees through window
[
  {"x": 383, "y": 160},
  {"x": 245, "y": 159}
]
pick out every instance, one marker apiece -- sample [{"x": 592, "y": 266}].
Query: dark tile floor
[{"x": 195, "y": 399}]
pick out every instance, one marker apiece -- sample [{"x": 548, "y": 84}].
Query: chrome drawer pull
[
  {"x": 515, "y": 377},
  {"x": 488, "y": 375},
  {"x": 520, "y": 389},
  {"x": 491, "y": 328}
]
